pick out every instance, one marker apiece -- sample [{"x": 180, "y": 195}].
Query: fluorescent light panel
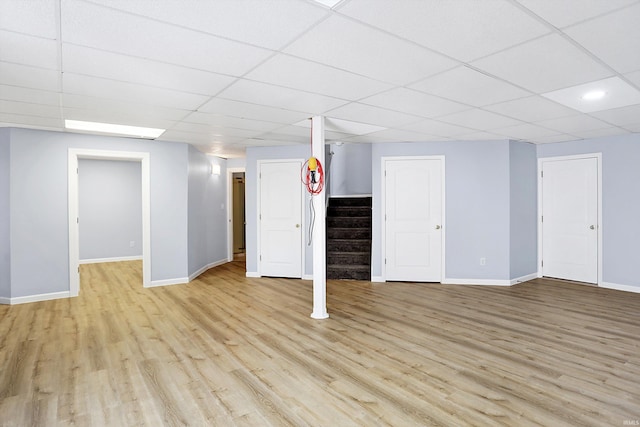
[{"x": 136, "y": 131}]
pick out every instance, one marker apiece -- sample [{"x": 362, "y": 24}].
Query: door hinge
[
  {"x": 541, "y": 263},
  {"x": 385, "y": 261},
  {"x": 541, "y": 174},
  {"x": 542, "y": 218},
  {"x": 77, "y": 220}
]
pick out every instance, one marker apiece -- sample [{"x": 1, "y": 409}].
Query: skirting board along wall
[{"x": 114, "y": 259}]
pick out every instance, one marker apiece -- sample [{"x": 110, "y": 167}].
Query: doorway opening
[
  {"x": 236, "y": 219},
  {"x": 74, "y": 235}
]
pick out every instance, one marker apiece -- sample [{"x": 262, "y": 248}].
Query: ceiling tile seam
[
  {"x": 22, "y": 64},
  {"x": 58, "y": 25},
  {"x": 603, "y": 14},
  {"x": 35, "y": 36},
  {"x": 33, "y": 115},
  {"x": 173, "y": 24},
  {"x": 185, "y": 120}
]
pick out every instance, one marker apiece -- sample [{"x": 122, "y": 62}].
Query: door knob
[
  {"x": 437, "y": 227},
  {"x": 593, "y": 227}
]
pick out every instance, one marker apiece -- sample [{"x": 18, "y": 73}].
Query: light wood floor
[{"x": 228, "y": 350}]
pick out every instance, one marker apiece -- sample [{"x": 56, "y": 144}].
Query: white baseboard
[
  {"x": 307, "y": 277},
  {"x": 523, "y": 279},
  {"x": 114, "y": 259},
  {"x": 483, "y": 282},
  {"x": 252, "y": 274},
  {"x": 167, "y": 282},
  {"x": 377, "y": 279},
  {"x": 5, "y": 301},
  {"x": 617, "y": 287},
  {"x": 206, "y": 267},
  {"x": 36, "y": 298}
]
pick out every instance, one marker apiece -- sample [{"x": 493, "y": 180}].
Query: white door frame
[
  {"x": 230, "y": 172},
  {"x": 541, "y": 160},
  {"x": 302, "y": 212},
  {"x": 74, "y": 235},
  {"x": 383, "y": 203}
]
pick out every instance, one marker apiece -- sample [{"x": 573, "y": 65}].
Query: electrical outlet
[{"x": 483, "y": 261}]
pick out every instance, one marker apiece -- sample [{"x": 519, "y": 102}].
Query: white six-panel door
[
  {"x": 280, "y": 219},
  {"x": 413, "y": 219},
  {"x": 570, "y": 219}
]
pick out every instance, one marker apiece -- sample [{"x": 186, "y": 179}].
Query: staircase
[{"x": 349, "y": 238}]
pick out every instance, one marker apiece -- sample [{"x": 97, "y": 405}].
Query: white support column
[{"x": 319, "y": 233}]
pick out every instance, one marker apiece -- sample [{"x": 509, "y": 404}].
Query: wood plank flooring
[{"x": 229, "y": 350}]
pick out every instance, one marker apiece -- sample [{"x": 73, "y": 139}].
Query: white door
[
  {"x": 280, "y": 219},
  {"x": 413, "y": 224},
  {"x": 570, "y": 219}
]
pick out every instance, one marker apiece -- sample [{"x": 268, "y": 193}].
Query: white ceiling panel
[
  {"x": 634, "y": 78},
  {"x": 555, "y": 138},
  {"x": 29, "y": 77},
  {"x": 123, "y": 109},
  {"x": 28, "y": 109},
  {"x": 29, "y": 50},
  {"x": 525, "y": 131},
  {"x": 214, "y": 132},
  {"x": 38, "y": 18},
  {"x": 305, "y": 132},
  {"x": 280, "y": 97},
  {"x": 33, "y": 96},
  {"x": 414, "y": 102},
  {"x": 616, "y": 93},
  {"x": 599, "y": 133},
  {"x": 251, "y": 111},
  {"x": 289, "y": 71},
  {"x": 620, "y": 116},
  {"x": 31, "y": 121},
  {"x": 228, "y": 121},
  {"x": 438, "y": 128},
  {"x": 111, "y": 89},
  {"x": 404, "y": 136},
  {"x": 267, "y": 23},
  {"x": 469, "y": 86},
  {"x": 92, "y": 62},
  {"x": 480, "y": 136},
  {"x": 574, "y": 124},
  {"x": 614, "y": 38},
  {"x": 562, "y": 13},
  {"x": 372, "y": 115},
  {"x": 107, "y": 29},
  {"x": 130, "y": 117},
  {"x": 344, "y": 44},
  {"x": 480, "y": 120},
  {"x": 463, "y": 29},
  {"x": 544, "y": 64},
  {"x": 531, "y": 109}
]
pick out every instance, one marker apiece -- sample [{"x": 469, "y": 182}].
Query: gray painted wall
[
  {"x": 477, "y": 205},
  {"x": 206, "y": 212},
  {"x": 350, "y": 171},
  {"x": 620, "y": 201},
  {"x": 5, "y": 258},
  {"x": 251, "y": 194},
  {"x": 38, "y": 207},
  {"x": 110, "y": 208},
  {"x": 523, "y": 222}
]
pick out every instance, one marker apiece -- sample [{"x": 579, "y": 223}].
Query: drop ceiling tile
[
  {"x": 342, "y": 43},
  {"x": 370, "y": 138},
  {"x": 568, "y": 12},
  {"x": 633, "y": 128},
  {"x": 469, "y": 86},
  {"x": 618, "y": 93},
  {"x": 276, "y": 136},
  {"x": 552, "y": 139},
  {"x": 187, "y": 137},
  {"x": 599, "y": 133},
  {"x": 128, "y": 117},
  {"x": 531, "y": 109},
  {"x": 280, "y": 97},
  {"x": 525, "y": 131},
  {"x": 29, "y": 77},
  {"x": 574, "y": 124},
  {"x": 259, "y": 142},
  {"x": 111, "y": 30},
  {"x": 543, "y": 65},
  {"x": 29, "y": 109},
  {"x": 480, "y": 136},
  {"x": 218, "y": 120},
  {"x": 372, "y": 115},
  {"x": 34, "y": 96},
  {"x": 266, "y": 23},
  {"x": 620, "y": 116},
  {"x": 111, "y": 89},
  {"x": 479, "y": 120},
  {"x": 289, "y": 71},
  {"x": 37, "y": 18},
  {"x": 251, "y": 111},
  {"x": 399, "y": 135},
  {"x": 634, "y": 78},
  {"x": 122, "y": 109},
  {"x": 614, "y": 38},
  {"x": 463, "y": 29},
  {"x": 215, "y": 131},
  {"x": 414, "y": 102},
  {"x": 305, "y": 132},
  {"x": 17, "y": 120},
  {"x": 97, "y": 63},
  {"x": 29, "y": 50},
  {"x": 438, "y": 128}
]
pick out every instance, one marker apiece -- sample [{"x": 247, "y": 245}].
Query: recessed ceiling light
[
  {"x": 140, "y": 132},
  {"x": 600, "y": 95},
  {"x": 594, "y": 95}
]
